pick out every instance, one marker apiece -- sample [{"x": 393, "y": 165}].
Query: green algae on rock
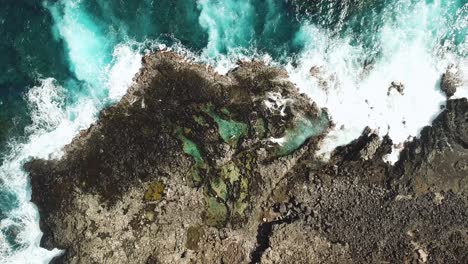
[
  {"x": 246, "y": 160},
  {"x": 229, "y": 130},
  {"x": 216, "y": 213},
  {"x": 194, "y": 177},
  {"x": 155, "y": 191},
  {"x": 194, "y": 234},
  {"x": 225, "y": 183},
  {"x": 194, "y": 174},
  {"x": 241, "y": 204},
  {"x": 220, "y": 188},
  {"x": 189, "y": 147},
  {"x": 230, "y": 172},
  {"x": 200, "y": 120}
]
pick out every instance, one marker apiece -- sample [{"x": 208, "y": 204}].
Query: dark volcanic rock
[
  {"x": 438, "y": 160},
  {"x": 359, "y": 210},
  {"x": 451, "y": 80},
  {"x": 354, "y": 223},
  {"x": 194, "y": 167}
]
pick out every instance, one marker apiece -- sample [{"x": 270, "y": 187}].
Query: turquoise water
[{"x": 64, "y": 60}]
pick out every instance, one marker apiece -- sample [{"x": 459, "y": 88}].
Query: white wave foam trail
[
  {"x": 359, "y": 96},
  {"x": 48, "y": 116},
  {"x": 88, "y": 47},
  {"x": 229, "y": 24},
  {"x": 120, "y": 75},
  {"x": 54, "y": 124}
]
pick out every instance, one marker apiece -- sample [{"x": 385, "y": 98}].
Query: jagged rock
[
  {"x": 356, "y": 223},
  {"x": 398, "y": 86},
  {"x": 435, "y": 161},
  {"x": 415, "y": 215},
  {"x": 287, "y": 246},
  {"x": 451, "y": 80},
  {"x": 371, "y": 145},
  {"x": 363, "y": 158}
]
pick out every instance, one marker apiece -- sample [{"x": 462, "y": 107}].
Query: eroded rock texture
[
  {"x": 451, "y": 80},
  {"x": 194, "y": 167}
]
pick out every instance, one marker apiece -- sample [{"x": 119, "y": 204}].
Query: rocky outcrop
[
  {"x": 341, "y": 220},
  {"x": 438, "y": 160},
  {"x": 195, "y": 167},
  {"x": 182, "y": 162},
  {"x": 397, "y": 86},
  {"x": 451, "y": 80}
]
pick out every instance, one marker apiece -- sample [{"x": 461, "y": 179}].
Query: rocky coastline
[{"x": 196, "y": 167}]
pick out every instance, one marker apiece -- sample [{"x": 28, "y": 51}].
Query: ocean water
[{"x": 64, "y": 60}]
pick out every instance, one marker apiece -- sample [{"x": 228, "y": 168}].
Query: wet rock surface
[
  {"x": 195, "y": 167},
  {"x": 397, "y": 86},
  {"x": 437, "y": 161},
  {"x": 451, "y": 80}
]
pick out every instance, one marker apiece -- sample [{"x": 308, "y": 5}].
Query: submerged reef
[{"x": 196, "y": 167}]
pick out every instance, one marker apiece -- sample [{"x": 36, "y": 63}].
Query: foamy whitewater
[
  {"x": 358, "y": 97},
  {"x": 55, "y": 123},
  {"x": 415, "y": 46}
]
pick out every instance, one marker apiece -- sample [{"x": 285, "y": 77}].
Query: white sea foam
[
  {"x": 358, "y": 97},
  {"x": 48, "y": 116},
  {"x": 462, "y": 92},
  {"x": 88, "y": 47},
  {"x": 121, "y": 73},
  {"x": 230, "y": 24},
  {"x": 54, "y": 124}
]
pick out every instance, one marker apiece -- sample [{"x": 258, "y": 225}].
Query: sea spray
[
  {"x": 58, "y": 113},
  {"x": 23, "y": 247},
  {"x": 89, "y": 49},
  {"x": 119, "y": 75},
  {"x": 229, "y": 24},
  {"x": 357, "y": 89},
  {"x": 254, "y": 26},
  {"x": 54, "y": 126}
]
